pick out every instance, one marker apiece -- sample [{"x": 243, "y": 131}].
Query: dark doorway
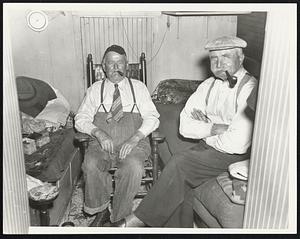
[{"x": 251, "y": 28}]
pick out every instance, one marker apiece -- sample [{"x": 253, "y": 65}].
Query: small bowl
[{"x": 68, "y": 224}]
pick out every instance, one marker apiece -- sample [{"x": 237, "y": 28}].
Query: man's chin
[
  {"x": 219, "y": 74},
  {"x": 116, "y": 75},
  {"x": 115, "y": 78}
]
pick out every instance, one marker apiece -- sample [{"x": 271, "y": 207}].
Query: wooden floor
[{"x": 74, "y": 212}]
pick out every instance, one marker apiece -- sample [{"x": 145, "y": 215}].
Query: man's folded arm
[
  {"x": 237, "y": 138},
  {"x": 194, "y": 129}
]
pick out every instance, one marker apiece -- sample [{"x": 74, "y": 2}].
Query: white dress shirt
[
  {"x": 92, "y": 100},
  {"x": 220, "y": 110}
]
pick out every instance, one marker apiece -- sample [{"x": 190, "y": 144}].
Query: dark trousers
[{"x": 170, "y": 201}]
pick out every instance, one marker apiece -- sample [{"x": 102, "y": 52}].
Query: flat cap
[
  {"x": 225, "y": 42},
  {"x": 118, "y": 49}
]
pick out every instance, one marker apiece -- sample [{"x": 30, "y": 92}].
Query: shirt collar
[
  {"x": 120, "y": 84},
  {"x": 240, "y": 73}
]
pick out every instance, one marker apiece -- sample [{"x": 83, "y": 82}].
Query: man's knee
[
  {"x": 177, "y": 160},
  {"x": 92, "y": 163},
  {"x": 133, "y": 167},
  {"x": 89, "y": 166}
]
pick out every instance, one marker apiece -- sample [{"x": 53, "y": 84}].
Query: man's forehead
[
  {"x": 114, "y": 55},
  {"x": 223, "y": 52}
]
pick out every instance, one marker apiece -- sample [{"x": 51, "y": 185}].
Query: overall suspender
[
  {"x": 133, "y": 95},
  {"x": 245, "y": 79},
  {"x": 101, "y": 95},
  {"x": 208, "y": 92}
]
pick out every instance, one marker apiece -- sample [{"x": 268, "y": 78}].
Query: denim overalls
[{"x": 97, "y": 162}]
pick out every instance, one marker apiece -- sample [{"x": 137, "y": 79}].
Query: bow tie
[{"x": 231, "y": 79}]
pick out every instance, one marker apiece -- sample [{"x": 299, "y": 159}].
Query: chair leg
[{"x": 155, "y": 160}]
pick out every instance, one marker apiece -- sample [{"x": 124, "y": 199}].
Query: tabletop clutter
[
  {"x": 36, "y": 132},
  {"x": 35, "y": 140}
]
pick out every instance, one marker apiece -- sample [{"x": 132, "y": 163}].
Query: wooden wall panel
[
  {"x": 267, "y": 204},
  {"x": 56, "y": 55},
  {"x": 132, "y": 33},
  {"x": 15, "y": 202},
  {"x": 51, "y": 55},
  {"x": 171, "y": 52}
]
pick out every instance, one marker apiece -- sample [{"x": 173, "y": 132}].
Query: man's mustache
[
  {"x": 220, "y": 72},
  {"x": 231, "y": 79}
]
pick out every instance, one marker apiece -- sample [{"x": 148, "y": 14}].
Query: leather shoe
[
  {"x": 120, "y": 223},
  {"x": 101, "y": 218}
]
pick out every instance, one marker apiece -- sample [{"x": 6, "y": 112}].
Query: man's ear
[
  {"x": 103, "y": 69},
  {"x": 127, "y": 64},
  {"x": 103, "y": 66},
  {"x": 241, "y": 58}
]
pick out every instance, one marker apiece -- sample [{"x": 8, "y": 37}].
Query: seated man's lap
[
  {"x": 134, "y": 161},
  {"x": 201, "y": 162},
  {"x": 97, "y": 159}
]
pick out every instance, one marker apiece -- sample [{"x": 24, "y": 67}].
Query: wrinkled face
[
  {"x": 114, "y": 62},
  {"x": 225, "y": 60}
]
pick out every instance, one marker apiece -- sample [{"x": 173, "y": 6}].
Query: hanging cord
[
  {"x": 161, "y": 43},
  {"x": 127, "y": 38}
]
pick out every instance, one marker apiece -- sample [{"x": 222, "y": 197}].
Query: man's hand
[
  {"x": 104, "y": 140},
  {"x": 199, "y": 115},
  {"x": 130, "y": 144},
  {"x": 218, "y": 129}
]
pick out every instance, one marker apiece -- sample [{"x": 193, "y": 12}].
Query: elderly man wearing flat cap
[
  {"x": 215, "y": 113},
  {"x": 119, "y": 114}
]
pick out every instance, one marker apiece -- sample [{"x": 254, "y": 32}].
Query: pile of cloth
[
  {"x": 41, "y": 105},
  {"x": 234, "y": 183},
  {"x": 45, "y": 115},
  {"x": 40, "y": 191}
]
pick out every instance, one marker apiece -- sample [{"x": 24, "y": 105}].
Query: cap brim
[{"x": 222, "y": 48}]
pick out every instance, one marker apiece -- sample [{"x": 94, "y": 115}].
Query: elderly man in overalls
[
  {"x": 119, "y": 114},
  {"x": 216, "y": 114}
]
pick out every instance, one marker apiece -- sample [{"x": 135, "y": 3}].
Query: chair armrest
[
  {"x": 157, "y": 136},
  {"x": 82, "y": 137}
]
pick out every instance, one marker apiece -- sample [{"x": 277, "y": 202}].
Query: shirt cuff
[
  {"x": 87, "y": 129},
  {"x": 195, "y": 129},
  {"x": 147, "y": 129},
  {"x": 90, "y": 129}
]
